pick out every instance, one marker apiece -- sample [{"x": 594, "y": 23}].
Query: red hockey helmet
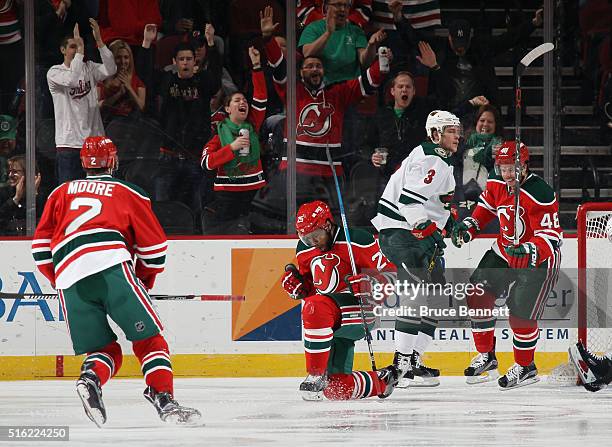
[
  {"x": 98, "y": 152},
  {"x": 310, "y": 217},
  {"x": 507, "y": 153}
]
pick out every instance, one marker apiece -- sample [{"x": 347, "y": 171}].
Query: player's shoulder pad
[
  {"x": 540, "y": 191},
  {"x": 135, "y": 188},
  {"x": 433, "y": 150},
  {"x": 494, "y": 176},
  {"x": 301, "y": 246},
  {"x": 360, "y": 237}
]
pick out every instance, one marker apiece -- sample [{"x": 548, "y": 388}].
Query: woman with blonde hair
[{"x": 123, "y": 93}]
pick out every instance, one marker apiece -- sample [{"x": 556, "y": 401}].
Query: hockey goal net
[{"x": 594, "y": 312}]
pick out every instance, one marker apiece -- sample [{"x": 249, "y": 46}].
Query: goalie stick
[
  {"x": 368, "y": 335},
  {"x": 53, "y": 296},
  {"x": 525, "y": 62}
]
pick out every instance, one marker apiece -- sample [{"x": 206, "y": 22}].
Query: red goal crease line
[{"x": 53, "y": 296}]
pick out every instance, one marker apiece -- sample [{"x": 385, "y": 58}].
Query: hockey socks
[
  {"x": 524, "y": 341},
  {"x": 483, "y": 328},
  {"x": 105, "y": 362},
  {"x": 317, "y": 345},
  {"x": 357, "y": 385},
  {"x": 422, "y": 342},
  {"x": 154, "y": 358},
  {"x": 405, "y": 342}
]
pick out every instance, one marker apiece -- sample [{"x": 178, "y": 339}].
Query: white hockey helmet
[{"x": 438, "y": 120}]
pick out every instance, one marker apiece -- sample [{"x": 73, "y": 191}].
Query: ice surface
[{"x": 252, "y": 412}]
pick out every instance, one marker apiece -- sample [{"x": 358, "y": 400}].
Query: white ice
[{"x": 269, "y": 411}]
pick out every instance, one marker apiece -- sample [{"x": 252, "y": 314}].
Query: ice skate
[
  {"x": 518, "y": 376},
  {"x": 403, "y": 363},
  {"x": 312, "y": 387},
  {"x": 423, "y": 375},
  {"x": 482, "y": 369},
  {"x": 389, "y": 375},
  {"x": 594, "y": 370},
  {"x": 169, "y": 410},
  {"x": 89, "y": 390}
]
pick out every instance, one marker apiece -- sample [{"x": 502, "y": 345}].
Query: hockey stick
[
  {"x": 53, "y": 296},
  {"x": 537, "y": 52},
  {"x": 352, "y": 258}
]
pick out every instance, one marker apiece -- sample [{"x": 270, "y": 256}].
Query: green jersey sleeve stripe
[
  {"x": 382, "y": 209},
  {"x": 414, "y": 194},
  {"x": 408, "y": 200}
]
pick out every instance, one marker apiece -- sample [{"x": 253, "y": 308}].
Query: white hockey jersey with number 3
[{"x": 421, "y": 189}]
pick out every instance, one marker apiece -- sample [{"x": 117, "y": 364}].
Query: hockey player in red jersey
[
  {"x": 331, "y": 313},
  {"x": 532, "y": 265},
  {"x": 100, "y": 245}
]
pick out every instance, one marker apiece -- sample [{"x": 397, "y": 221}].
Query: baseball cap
[
  {"x": 460, "y": 31},
  {"x": 8, "y": 127}
]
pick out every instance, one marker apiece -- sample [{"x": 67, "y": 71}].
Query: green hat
[{"x": 8, "y": 127}]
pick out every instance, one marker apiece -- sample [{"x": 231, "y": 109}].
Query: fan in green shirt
[{"x": 342, "y": 46}]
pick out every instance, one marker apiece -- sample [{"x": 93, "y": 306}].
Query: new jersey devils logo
[
  {"x": 315, "y": 119},
  {"x": 506, "y": 221},
  {"x": 325, "y": 273}
]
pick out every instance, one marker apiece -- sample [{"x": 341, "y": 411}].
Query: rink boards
[{"x": 257, "y": 337}]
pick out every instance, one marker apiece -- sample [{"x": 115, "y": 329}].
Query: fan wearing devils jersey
[
  {"x": 320, "y": 108},
  {"x": 331, "y": 312},
  {"x": 99, "y": 243},
  {"x": 532, "y": 265}
]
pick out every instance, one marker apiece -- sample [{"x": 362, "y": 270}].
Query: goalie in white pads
[
  {"x": 412, "y": 213},
  {"x": 531, "y": 268}
]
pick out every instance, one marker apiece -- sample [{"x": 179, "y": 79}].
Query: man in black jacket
[
  {"x": 184, "y": 115},
  {"x": 401, "y": 126},
  {"x": 464, "y": 66}
]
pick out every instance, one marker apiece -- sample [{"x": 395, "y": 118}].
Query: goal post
[
  {"x": 594, "y": 313},
  {"x": 594, "y": 222}
]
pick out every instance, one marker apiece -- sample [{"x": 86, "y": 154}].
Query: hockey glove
[
  {"x": 429, "y": 236},
  {"x": 424, "y": 230},
  {"x": 294, "y": 283},
  {"x": 464, "y": 231},
  {"x": 522, "y": 256},
  {"x": 451, "y": 222},
  {"x": 360, "y": 285}
]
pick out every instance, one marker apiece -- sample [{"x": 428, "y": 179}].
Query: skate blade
[
  {"x": 425, "y": 383},
  {"x": 487, "y": 376},
  {"x": 403, "y": 383},
  {"x": 523, "y": 383},
  {"x": 182, "y": 418},
  {"x": 311, "y": 395},
  {"x": 94, "y": 414}
]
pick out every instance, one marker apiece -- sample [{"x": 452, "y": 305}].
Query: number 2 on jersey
[
  {"x": 430, "y": 175},
  {"x": 94, "y": 207}
]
